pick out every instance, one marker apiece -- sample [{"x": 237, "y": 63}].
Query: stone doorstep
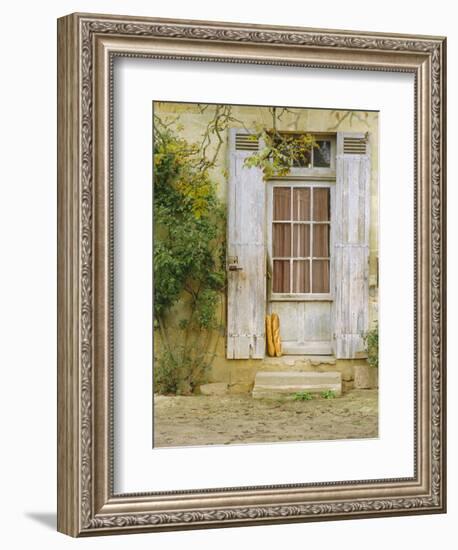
[
  {"x": 273, "y": 384},
  {"x": 297, "y": 363},
  {"x": 290, "y": 360}
]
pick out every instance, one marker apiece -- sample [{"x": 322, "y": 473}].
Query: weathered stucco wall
[{"x": 192, "y": 123}]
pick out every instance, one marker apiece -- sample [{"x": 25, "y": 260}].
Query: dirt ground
[{"x": 222, "y": 420}]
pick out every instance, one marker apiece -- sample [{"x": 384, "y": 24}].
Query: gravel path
[{"x": 206, "y": 420}]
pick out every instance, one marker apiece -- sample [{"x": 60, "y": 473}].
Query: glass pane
[
  {"x": 281, "y": 272},
  {"x": 291, "y": 146},
  {"x": 320, "y": 276},
  {"x": 303, "y": 159},
  {"x": 321, "y": 204},
  {"x": 301, "y": 203},
  {"x": 321, "y": 240},
  {"x": 281, "y": 237},
  {"x": 282, "y": 203},
  {"x": 301, "y": 240},
  {"x": 301, "y": 276},
  {"x": 322, "y": 154}
]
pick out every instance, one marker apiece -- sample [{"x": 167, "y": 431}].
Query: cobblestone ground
[{"x": 235, "y": 419}]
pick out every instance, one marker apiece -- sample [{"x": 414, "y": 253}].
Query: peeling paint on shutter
[
  {"x": 351, "y": 244},
  {"x": 246, "y": 287}
]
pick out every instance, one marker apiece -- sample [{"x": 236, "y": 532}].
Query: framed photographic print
[{"x": 251, "y": 274}]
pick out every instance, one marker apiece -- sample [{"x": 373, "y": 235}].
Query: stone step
[
  {"x": 297, "y": 363},
  {"x": 275, "y": 384},
  {"x": 291, "y": 359}
]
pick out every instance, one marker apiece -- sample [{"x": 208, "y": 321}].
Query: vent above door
[
  {"x": 246, "y": 142},
  {"x": 354, "y": 146}
]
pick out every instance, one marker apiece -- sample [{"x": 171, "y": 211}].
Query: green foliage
[
  {"x": 179, "y": 371},
  {"x": 371, "y": 341},
  {"x": 302, "y": 396},
  {"x": 280, "y": 152},
  {"x": 328, "y": 394},
  {"x": 189, "y": 246},
  {"x": 188, "y": 261}
]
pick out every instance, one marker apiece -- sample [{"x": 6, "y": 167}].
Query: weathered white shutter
[
  {"x": 351, "y": 244},
  {"x": 246, "y": 292}
]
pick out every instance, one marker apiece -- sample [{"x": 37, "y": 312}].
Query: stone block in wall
[
  {"x": 347, "y": 372},
  {"x": 347, "y": 386},
  {"x": 366, "y": 377}
]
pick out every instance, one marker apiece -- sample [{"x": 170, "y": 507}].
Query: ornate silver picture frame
[{"x": 87, "y": 47}]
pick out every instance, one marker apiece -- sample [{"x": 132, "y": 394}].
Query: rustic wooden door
[
  {"x": 299, "y": 232},
  {"x": 311, "y": 231}
]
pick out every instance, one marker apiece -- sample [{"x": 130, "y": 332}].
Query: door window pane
[
  {"x": 321, "y": 204},
  {"x": 301, "y": 240},
  {"x": 321, "y": 240},
  {"x": 301, "y": 203},
  {"x": 320, "y": 276},
  {"x": 281, "y": 276},
  {"x": 301, "y": 276},
  {"x": 282, "y": 203},
  {"x": 281, "y": 237}
]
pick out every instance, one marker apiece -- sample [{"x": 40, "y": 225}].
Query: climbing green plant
[
  {"x": 189, "y": 244},
  {"x": 279, "y": 152},
  {"x": 188, "y": 263},
  {"x": 371, "y": 341}
]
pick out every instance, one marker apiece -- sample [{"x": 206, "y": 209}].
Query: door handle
[{"x": 233, "y": 264}]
